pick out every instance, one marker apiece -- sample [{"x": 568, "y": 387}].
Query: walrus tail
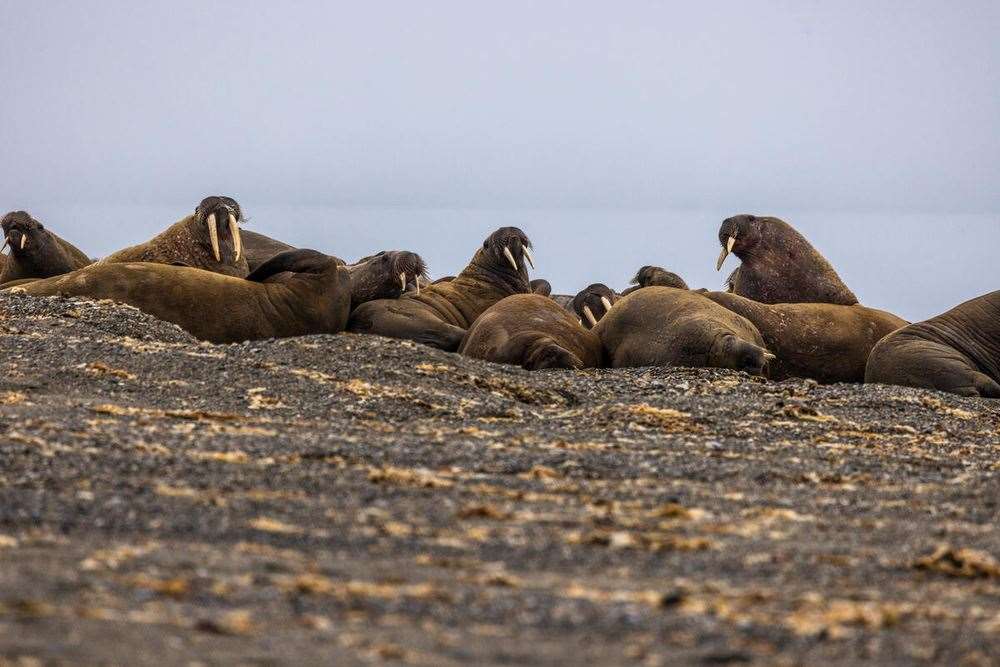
[
  {"x": 546, "y": 353},
  {"x": 293, "y": 261}
]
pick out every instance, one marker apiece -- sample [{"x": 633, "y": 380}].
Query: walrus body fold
[
  {"x": 532, "y": 331},
  {"x": 208, "y": 239},
  {"x": 822, "y": 341},
  {"x": 778, "y": 264},
  {"x": 440, "y": 314},
  {"x": 36, "y": 252},
  {"x": 957, "y": 351},
  {"x": 315, "y": 298},
  {"x": 665, "y": 326}
]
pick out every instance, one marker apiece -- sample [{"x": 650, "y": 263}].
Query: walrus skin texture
[
  {"x": 35, "y": 252},
  {"x": 314, "y": 299},
  {"x": 665, "y": 326},
  {"x": 208, "y": 239},
  {"x": 531, "y": 331},
  {"x": 957, "y": 351},
  {"x": 441, "y": 313},
  {"x": 822, "y": 341},
  {"x": 779, "y": 264}
]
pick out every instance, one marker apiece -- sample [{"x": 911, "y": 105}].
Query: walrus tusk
[
  {"x": 527, "y": 256},
  {"x": 6, "y": 242},
  {"x": 725, "y": 252},
  {"x": 213, "y": 235},
  {"x": 402, "y": 281},
  {"x": 234, "y": 229},
  {"x": 510, "y": 257},
  {"x": 590, "y": 316},
  {"x": 607, "y": 303},
  {"x": 24, "y": 240},
  {"x": 416, "y": 281}
]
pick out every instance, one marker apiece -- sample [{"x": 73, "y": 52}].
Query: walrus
[
  {"x": 220, "y": 308},
  {"x": 823, "y": 341},
  {"x": 531, "y": 331},
  {"x": 441, "y": 313},
  {"x": 207, "y": 239},
  {"x": 655, "y": 276},
  {"x": 666, "y": 326},
  {"x": 35, "y": 252},
  {"x": 592, "y": 303},
  {"x": 957, "y": 351},
  {"x": 778, "y": 264},
  {"x": 541, "y": 286},
  {"x": 258, "y": 248}
]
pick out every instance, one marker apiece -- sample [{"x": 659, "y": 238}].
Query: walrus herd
[{"x": 785, "y": 312}]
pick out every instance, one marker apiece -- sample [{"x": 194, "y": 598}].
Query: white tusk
[
  {"x": 725, "y": 253},
  {"x": 528, "y": 256},
  {"x": 416, "y": 281},
  {"x": 402, "y": 281},
  {"x": 607, "y": 303},
  {"x": 234, "y": 229},
  {"x": 590, "y": 316},
  {"x": 510, "y": 257},
  {"x": 213, "y": 235},
  {"x": 24, "y": 240},
  {"x": 6, "y": 242}
]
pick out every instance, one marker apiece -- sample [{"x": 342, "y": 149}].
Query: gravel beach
[{"x": 357, "y": 500}]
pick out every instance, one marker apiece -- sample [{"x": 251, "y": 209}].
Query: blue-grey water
[{"x": 915, "y": 265}]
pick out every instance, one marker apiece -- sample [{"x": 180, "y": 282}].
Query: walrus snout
[
  {"x": 18, "y": 226},
  {"x": 593, "y": 303},
  {"x": 733, "y": 230},
  {"x": 222, "y": 214},
  {"x": 510, "y": 246}
]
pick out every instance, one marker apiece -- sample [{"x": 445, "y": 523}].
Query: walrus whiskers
[
  {"x": 234, "y": 229},
  {"x": 510, "y": 257},
  {"x": 213, "y": 235}
]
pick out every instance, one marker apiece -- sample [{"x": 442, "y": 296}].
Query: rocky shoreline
[{"x": 354, "y": 499}]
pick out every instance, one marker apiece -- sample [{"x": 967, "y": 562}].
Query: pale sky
[{"x": 882, "y": 108}]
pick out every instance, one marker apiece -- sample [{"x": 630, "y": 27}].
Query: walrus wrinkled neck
[{"x": 484, "y": 269}]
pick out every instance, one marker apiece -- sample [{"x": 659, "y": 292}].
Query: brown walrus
[
  {"x": 823, "y": 341},
  {"x": 592, "y": 303},
  {"x": 208, "y": 239},
  {"x": 219, "y": 308},
  {"x": 541, "y": 286},
  {"x": 36, "y": 252},
  {"x": 655, "y": 276},
  {"x": 439, "y": 315},
  {"x": 532, "y": 331},
  {"x": 666, "y": 326},
  {"x": 957, "y": 351},
  {"x": 778, "y": 264}
]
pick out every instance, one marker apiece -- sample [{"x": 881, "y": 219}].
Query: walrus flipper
[
  {"x": 293, "y": 261},
  {"x": 547, "y": 353}
]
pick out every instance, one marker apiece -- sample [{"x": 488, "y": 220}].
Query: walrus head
[
  {"x": 509, "y": 247},
  {"x": 593, "y": 303},
  {"x": 385, "y": 275},
  {"x": 738, "y": 234},
  {"x": 649, "y": 276},
  {"x": 222, "y": 217},
  {"x": 541, "y": 286},
  {"x": 25, "y": 236}
]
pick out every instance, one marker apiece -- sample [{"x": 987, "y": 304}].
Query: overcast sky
[{"x": 764, "y": 107}]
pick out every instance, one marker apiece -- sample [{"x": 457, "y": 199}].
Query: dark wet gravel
[{"x": 347, "y": 499}]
